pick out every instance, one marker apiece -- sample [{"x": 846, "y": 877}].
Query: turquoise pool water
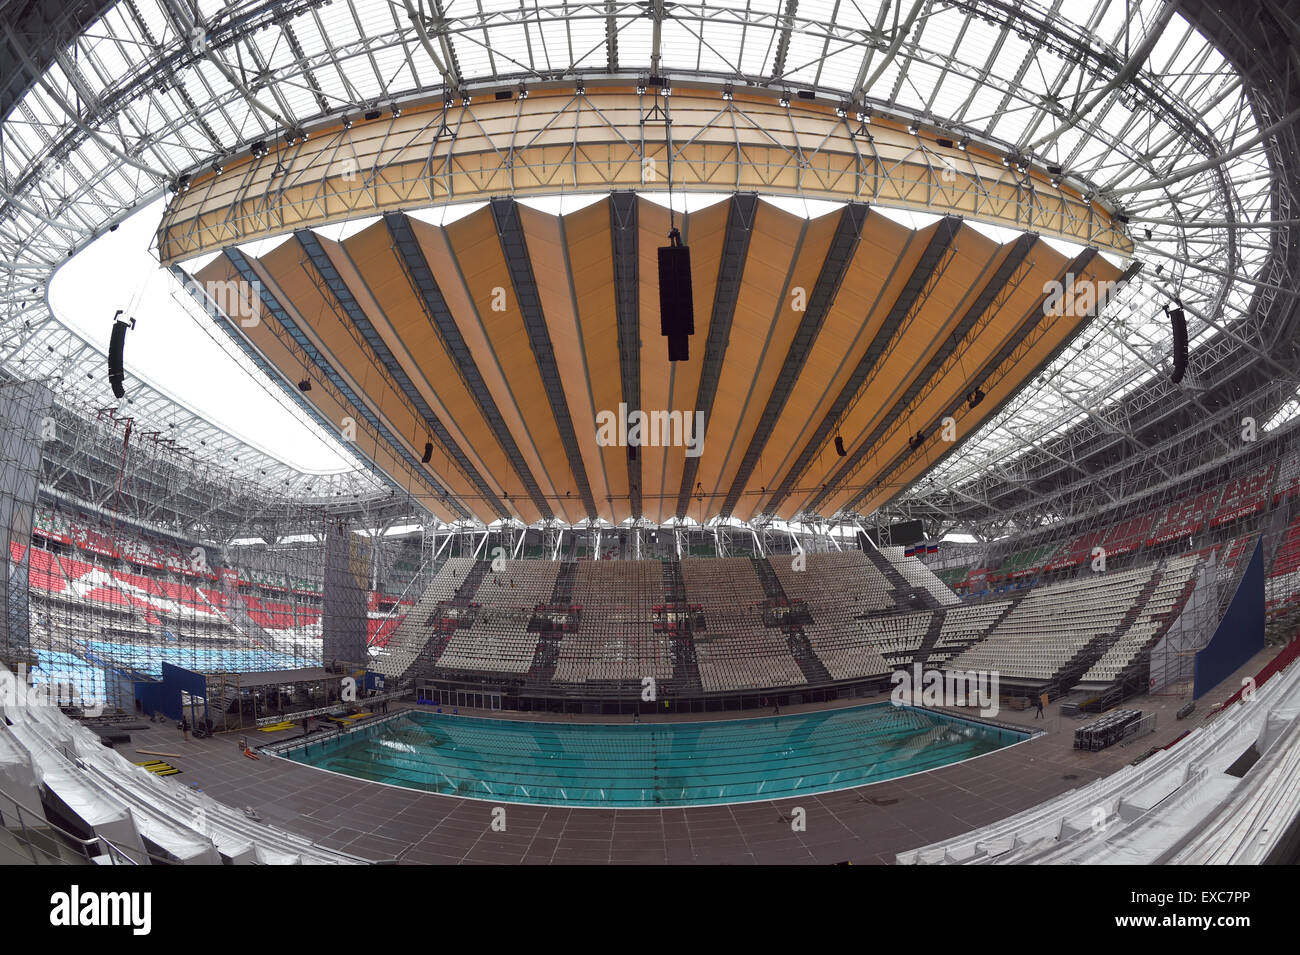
[{"x": 654, "y": 765}]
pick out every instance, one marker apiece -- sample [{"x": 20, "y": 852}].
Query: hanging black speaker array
[
  {"x": 676, "y": 305},
  {"x": 839, "y": 446},
  {"x": 428, "y": 452},
  {"x": 1179, "y": 323},
  {"x": 116, "y": 346}
]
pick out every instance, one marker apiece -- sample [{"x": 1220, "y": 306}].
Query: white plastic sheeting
[
  {"x": 1177, "y": 806},
  {"x": 128, "y": 805}
]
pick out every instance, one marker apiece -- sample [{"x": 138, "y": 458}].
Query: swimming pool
[{"x": 654, "y": 765}]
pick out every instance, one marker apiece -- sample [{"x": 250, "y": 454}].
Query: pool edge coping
[{"x": 270, "y": 750}]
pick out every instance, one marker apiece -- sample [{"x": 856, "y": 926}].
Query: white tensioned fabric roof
[{"x": 1120, "y": 93}]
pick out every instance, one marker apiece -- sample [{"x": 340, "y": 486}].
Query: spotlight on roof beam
[
  {"x": 1006, "y": 161},
  {"x": 964, "y": 143},
  {"x": 640, "y": 87},
  {"x": 304, "y": 385},
  {"x": 465, "y": 98},
  {"x": 523, "y": 91},
  {"x": 864, "y": 114},
  {"x": 347, "y": 122},
  {"x": 395, "y": 110},
  {"x": 580, "y": 88},
  {"x": 728, "y": 93},
  {"x": 913, "y": 128},
  {"x": 785, "y": 99},
  {"x": 218, "y": 167},
  {"x": 1056, "y": 182},
  {"x": 842, "y": 110}
]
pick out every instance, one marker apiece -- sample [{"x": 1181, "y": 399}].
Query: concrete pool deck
[{"x": 864, "y": 825}]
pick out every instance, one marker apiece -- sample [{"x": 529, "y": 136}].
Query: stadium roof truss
[{"x": 1145, "y": 118}]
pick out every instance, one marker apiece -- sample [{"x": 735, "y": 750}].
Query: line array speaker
[
  {"x": 676, "y": 303},
  {"x": 116, "y": 346},
  {"x": 1179, "y": 321}
]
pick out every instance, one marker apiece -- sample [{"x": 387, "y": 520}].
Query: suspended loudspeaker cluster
[
  {"x": 676, "y": 306},
  {"x": 116, "y": 346},
  {"x": 1179, "y": 322}
]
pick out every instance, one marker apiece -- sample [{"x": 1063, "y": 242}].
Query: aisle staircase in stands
[
  {"x": 420, "y": 622},
  {"x": 910, "y": 597},
  {"x": 931, "y": 637},
  {"x": 469, "y": 586},
  {"x": 935, "y": 631},
  {"x": 1073, "y": 669},
  {"x": 1135, "y": 677},
  {"x": 686, "y": 669},
  {"x": 814, "y": 670},
  {"x": 547, "y": 655}
]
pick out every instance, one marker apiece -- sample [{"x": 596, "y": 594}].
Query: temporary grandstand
[{"x": 667, "y": 363}]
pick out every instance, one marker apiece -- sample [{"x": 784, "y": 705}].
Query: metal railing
[{"x": 42, "y": 840}]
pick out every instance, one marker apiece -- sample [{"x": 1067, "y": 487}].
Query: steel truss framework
[
  {"x": 1129, "y": 99},
  {"x": 556, "y": 141}
]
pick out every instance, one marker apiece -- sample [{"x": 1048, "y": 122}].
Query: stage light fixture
[{"x": 304, "y": 385}]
